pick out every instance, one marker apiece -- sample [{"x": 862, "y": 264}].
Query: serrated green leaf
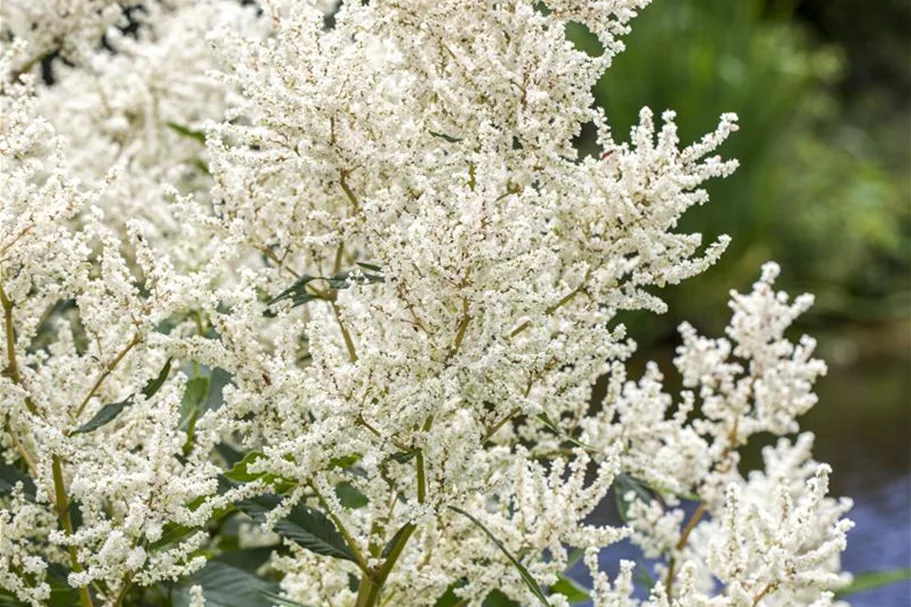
[
  {"x": 870, "y": 580},
  {"x": 350, "y": 497},
  {"x": 306, "y": 526},
  {"x": 569, "y": 588},
  {"x": 195, "y": 394},
  {"x": 280, "y": 600},
  {"x": 226, "y": 585},
  {"x": 185, "y": 131},
  {"x": 529, "y": 580},
  {"x": 105, "y": 415},
  {"x": 155, "y": 384}
]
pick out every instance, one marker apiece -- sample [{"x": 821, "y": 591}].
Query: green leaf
[
  {"x": 109, "y": 412},
  {"x": 248, "y": 559},
  {"x": 530, "y": 581},
  {"x": 297, "y": 292},
  {"x": 227, "y": 585},
  {"x": 280, "y": 600},
  {"x": 575, "y": 555},
  {"x": 445, "y": 137},
  {"x": 870, "y": 580},
  {"x": 496, "y": 598},
  {"x": 342, "y": 280},
  {"x": 9, "y": 476},
  {"x": 350, "y": 497},
  {"x": 345, "y": 461},
  {"x": 568, "y": 587},
  {"x": 370, "y": 266},
  {"x": 196, "y": 392},
  {"x": 624, "y": 484},
  {"x": 202, "y": 166},
  {"x": 171, "y": 534},
  {"x": 304, "y": 525},
  {"x": 187, "y": 132},
  {"x": 239, "y": 472},
  {"x": 104, "y": 416},
  {"x": 449, "y": 598},
  {"x": 405, "y": 529},
  {"x": 62, "y": 594},
  {"x": 155, "y": 384},
  {"x": 403, "y": 457},
  {"x": 229, "y": 453},
  {"x": 7, "y": 599}
]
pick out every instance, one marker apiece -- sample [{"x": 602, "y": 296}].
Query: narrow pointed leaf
[
  {"x": 529, "y": 580},
  {"x": 370, "y": 266},
  {"x": 104, "y": 416},
  {"x": 870, "y": 580},
  {"x": 406, "y": 529},
  {"x": 568, "y": 587},
  {"x": 156, "y": 383},
  {"x": 306, "y": 526},
  {"x": 187, "y": 132},
  {"x": 445, "y": 137},
  {"x": 196, "y": 392},
  {"x": 296, "y": 290}
]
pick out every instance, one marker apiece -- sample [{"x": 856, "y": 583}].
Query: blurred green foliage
[{"x": 823, "y": 185}]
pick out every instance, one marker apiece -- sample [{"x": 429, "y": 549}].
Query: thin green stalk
[
  {"x": 358, "y": 555},
  {"x": 349, "y": 343},
  {"x": 368, "y": 594},
  {"x": 108, "y": 369},
  {"x": 62, "y": 505},
  {"x": 422, "y": 482}
]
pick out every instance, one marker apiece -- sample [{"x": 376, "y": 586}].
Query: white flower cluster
[{"x": 331, "y": 281}]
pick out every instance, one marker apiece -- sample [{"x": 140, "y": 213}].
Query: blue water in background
[{"x": 863, "y": 429}]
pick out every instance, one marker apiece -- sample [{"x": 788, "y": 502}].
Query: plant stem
[
  {"x": 108, "y": 369},
  {"x": 343, "y": 181},
  {"x": 62, "y": 505},
  {"x": 358, "y": 555},
  {"x": 349, "y": 343},
  {"x": 681, "y": 544},
  {"x": 368, "y": 593},
  {"x": 12, "y": 367}
]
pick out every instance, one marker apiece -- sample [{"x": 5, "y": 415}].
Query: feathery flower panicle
[{"x": 329, "y": 283}]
